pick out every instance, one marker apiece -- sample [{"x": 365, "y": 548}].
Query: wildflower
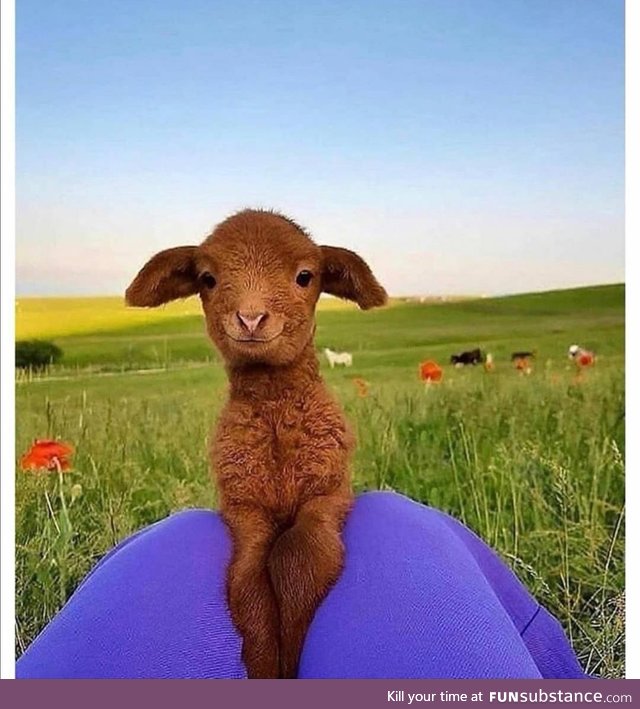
[
  {"x": 488, "y": 363},
  {"x": 430, "y": 372},
  {"x": 47, "y": 455},
  {"x": 586, "y": 359},
  {"x": 362, "y": 387},
  {"x": 581, "y": 357},
  {"x": 523, "y": 365}
]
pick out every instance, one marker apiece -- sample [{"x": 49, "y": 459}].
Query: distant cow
[
  {"x": 522, "y": 355},
  {"x": 471, "y": 357},
  {"x": 344, "y": 358}
]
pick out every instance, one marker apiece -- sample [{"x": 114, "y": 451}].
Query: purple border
[{"x": 307, "y": 694}]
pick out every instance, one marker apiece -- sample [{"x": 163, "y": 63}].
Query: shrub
[{"x": 36, "y": 354}]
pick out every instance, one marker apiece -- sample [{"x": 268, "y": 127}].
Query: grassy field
[{"x": 533, "y": 464}]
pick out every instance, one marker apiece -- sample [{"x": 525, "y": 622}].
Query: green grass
[
  {"x": 163, "y": 338},
  {"x": 533, "y": 464},
  {"x": 64, "y": 317}
]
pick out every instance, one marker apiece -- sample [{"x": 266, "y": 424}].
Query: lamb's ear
[
  {"x": 168, "y": 275},
  {"x": 346, "y": 275}
]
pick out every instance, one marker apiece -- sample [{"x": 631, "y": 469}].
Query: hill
[{"x": 534, "y": 464}]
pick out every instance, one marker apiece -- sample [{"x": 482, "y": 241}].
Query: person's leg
[
  {"x": 542, "y": 633},
  {"x": 154, "y": 607},
  {"x": 422, "y": 597}
]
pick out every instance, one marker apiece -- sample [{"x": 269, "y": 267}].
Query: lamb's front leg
[
  {"x": 251, "y": 599},
  {"x": 304, "y": 563}
]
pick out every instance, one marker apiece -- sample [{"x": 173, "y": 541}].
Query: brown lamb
[{"x": 281, "y": 447}]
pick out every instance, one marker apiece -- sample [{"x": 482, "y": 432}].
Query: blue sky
[{"x": 461, "y": 146}]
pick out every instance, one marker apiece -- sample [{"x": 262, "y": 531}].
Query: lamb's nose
[{"x": 251, "y": 321}]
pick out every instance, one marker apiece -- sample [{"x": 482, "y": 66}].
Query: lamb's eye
[
  {"x": 207, "y": 280},
  {"x": 304, "y": 278}
]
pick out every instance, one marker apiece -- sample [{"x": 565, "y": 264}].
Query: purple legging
[{"x": 420, "y": 597}]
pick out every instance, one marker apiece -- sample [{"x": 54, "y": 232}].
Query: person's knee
[
  {"x": 381, "y": 502},
  {"x": 379, "y": 509},
  {"x": 196, "y": 520},
  {"x": 183, "y": 532}
]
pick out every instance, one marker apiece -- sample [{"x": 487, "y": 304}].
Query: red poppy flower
[
  {"x": 430, "y": 372},
  {"x": 47, "y": 455},
  {"x": 586, "y": 359},
  {"x": 362, "y": 386}
]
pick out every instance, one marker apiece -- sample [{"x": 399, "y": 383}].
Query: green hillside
[{"x": 534, "y": 464}]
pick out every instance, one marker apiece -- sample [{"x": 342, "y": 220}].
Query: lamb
[
  {"x": 338, "y": 358},
  {"x": 281, "y": 448}
]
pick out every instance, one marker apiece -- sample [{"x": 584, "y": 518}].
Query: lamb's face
[
  {"x": 259, "y": 277},
  {"x": 259, "y": 282}
]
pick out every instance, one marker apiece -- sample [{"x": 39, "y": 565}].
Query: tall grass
[{"x": 533, "y": 464}]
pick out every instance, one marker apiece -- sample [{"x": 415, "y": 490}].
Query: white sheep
[{"x": 334, "y": 358}]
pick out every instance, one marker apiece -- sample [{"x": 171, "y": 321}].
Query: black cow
[
  {"x": 471, "y": 357},
  {"x": 522, "y": 355}
]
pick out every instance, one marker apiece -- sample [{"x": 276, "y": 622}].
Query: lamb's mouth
[{"x": 253, "y": 340}]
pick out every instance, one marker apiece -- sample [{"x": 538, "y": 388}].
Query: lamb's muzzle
[{"x": 251, "y": 321}]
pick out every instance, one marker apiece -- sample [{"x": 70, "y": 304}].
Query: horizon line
[{"x": 466, "y": 296}]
